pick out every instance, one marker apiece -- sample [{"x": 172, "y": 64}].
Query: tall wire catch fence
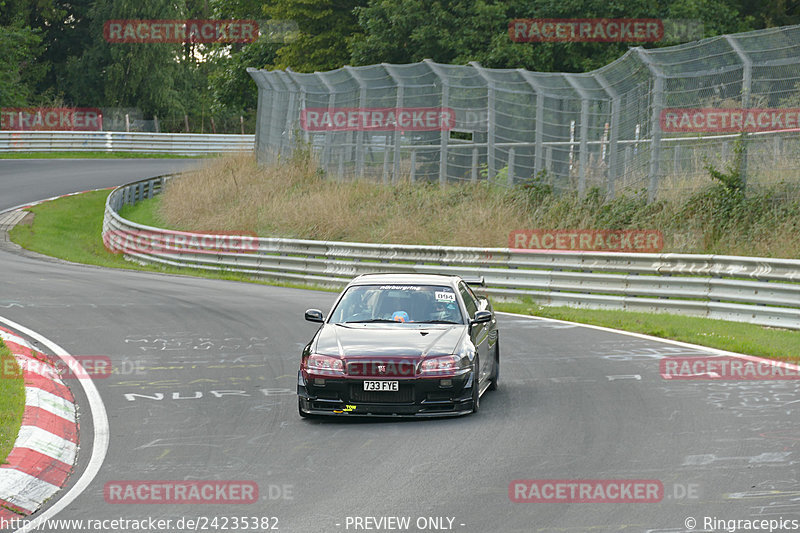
[{"x": 649, "y": 122}]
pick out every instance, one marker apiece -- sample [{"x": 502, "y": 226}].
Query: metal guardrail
[
  {"x": 747, "y": 289},
  {"x": 120, "y": 141}
]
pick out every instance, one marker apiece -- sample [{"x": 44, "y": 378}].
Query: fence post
[
  {"x": 491, "y": 130},
  {"x": 474, "y": 172},
  {"x": 655, "y": 122},
  {"x": 362, "y": 99},
  {"x": 286, "y": 145},
  {"x": 298, "y": 81},
  {"x": 611, "y": 171},
  {"x": 296, "y": 103},
  {"x": 583, "y": 156},
  {"x": 443, "y": 150},
  {"x": 747, "y": 87},
  {"x": 270, "y": 121},
  {"x": 326, "y": 147},
  {"x": 445, "y": 137},
  {"x": 398, "y": 80},
  {"x": 539, "y": 154},
  {"x": 510, "y": 176},
  {"x": 548, "y": 159},
  {"x": 386, "y": 148},
  {"x": 262, "y": 96},
  {"x": 655, "y": 148}
]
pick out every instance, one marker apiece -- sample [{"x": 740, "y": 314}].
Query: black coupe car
[{"x": 401, "y": 345}]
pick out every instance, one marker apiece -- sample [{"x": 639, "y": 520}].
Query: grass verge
[
  {"x": 70, "y": 228},
  {"x": 95, "y": 155},
  {"x": 12, "y": 401},
  {"x": 294, "y": 199},
  {"x": 750, "y": 339},
  {"x": 146, "y": 213}
]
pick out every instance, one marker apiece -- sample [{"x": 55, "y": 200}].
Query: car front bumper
[{"x": 417, "y": 398}]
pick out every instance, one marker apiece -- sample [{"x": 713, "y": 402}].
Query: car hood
[{"x": 371, "y": 340}]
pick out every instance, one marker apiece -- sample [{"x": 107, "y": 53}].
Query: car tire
[
  {"x": 476, "y": 387},
  {"x": 495, "y": 377}
]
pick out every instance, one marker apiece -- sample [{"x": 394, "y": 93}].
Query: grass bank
[
  {"x": 772, "y": 343},
  {"x": 70, "y": 228},
  {"x": 295, "y": 200},
  {"x": 12, "y": 401}
]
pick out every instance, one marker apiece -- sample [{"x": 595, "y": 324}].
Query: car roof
[{"x": 406, "y": 279}]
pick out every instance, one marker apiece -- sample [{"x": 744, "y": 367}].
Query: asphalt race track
[{"x": 204, "y": 383}]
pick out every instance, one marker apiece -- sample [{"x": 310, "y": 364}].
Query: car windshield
[{"x": 430, "y": 304}]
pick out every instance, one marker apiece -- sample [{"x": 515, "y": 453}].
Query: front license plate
[{"x": 382, "y": 385}]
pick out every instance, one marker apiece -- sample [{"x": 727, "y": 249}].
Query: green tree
[
  {"x": 325, "y": 30},
  {"x": 769, "y": 13},
  {"x": 19, "y": 71},
  {"x": 459, "y": 31},
  {"x": 148, "y": 76},
  {"x": 231, "y": 86}
]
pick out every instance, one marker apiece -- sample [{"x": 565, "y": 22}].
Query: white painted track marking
[{"x": 99, "y": 421}]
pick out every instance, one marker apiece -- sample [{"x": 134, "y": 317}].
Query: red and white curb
[{"x": 46, "y": 447}]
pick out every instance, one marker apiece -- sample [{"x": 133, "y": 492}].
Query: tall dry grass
[{"x": 294, "y": 200}]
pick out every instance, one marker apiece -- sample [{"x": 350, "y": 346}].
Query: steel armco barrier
[
  {"x": 120, "y": 141},
  {"x": 746, "y": 289}
]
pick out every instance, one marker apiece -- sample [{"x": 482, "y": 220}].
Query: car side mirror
[
  {"x": 481, "y": 317},
  {"x": 314, "y": 315}
]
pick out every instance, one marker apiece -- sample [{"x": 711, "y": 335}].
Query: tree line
[{"x": 54, "y": 52}]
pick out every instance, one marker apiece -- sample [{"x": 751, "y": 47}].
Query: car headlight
[
  {"x": 324, "y": 364},
  {"x": 443, "y": 365}
]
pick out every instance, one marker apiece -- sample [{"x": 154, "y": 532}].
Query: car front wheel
[
  {"x": 476, "y": 386},
  {"x": 495, "y": 377}
]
